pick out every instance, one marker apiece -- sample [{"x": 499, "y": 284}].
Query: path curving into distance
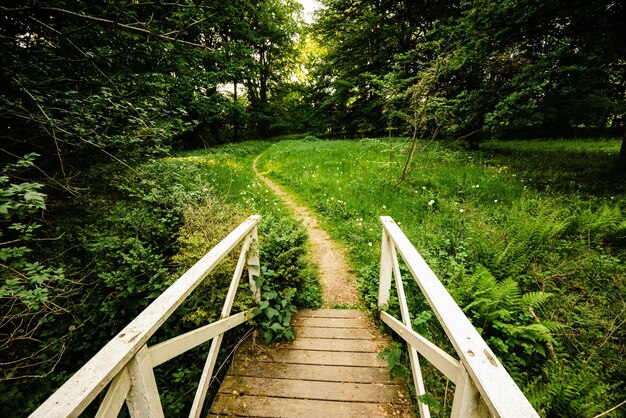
[{"x": 335, "y": 277}]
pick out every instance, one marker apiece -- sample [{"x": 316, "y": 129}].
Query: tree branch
[{"x": 106, "y": 21}]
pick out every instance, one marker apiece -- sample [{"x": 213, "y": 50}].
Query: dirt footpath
[{"x": 338, "y": 284}]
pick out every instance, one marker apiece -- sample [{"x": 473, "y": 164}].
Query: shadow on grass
[{"x": 589, "y": 167}]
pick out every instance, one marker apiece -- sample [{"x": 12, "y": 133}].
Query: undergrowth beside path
[{"x": 538, "y": 270}]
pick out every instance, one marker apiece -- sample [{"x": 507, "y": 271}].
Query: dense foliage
[
  {"x": 469, "y": 68},
  {"x": 98, "y": 215},
  {"x": 534, "y": 257},
  {"x": 92, "y": 229},
  {"x": 83, "y": 80}
]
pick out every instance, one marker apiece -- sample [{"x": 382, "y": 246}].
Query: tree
[
  {"x": 506, "y": 67},
  {"x": 96, "y": 88}
]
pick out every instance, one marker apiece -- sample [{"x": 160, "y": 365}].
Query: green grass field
[{"x": 516, "y": 230}]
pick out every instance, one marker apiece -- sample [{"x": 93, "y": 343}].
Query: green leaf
[{"x": 270, "y": 312}]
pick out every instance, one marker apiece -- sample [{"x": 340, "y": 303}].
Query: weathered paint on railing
[
  {"x": 127, "y": 362},
  {"x": 483, "y": 386}
]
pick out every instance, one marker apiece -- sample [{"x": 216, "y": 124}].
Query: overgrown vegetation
[
  {"x": 133, "y": 239},
  {"x": 538, "y": 270},
  {"x": 98, "y": 216}
]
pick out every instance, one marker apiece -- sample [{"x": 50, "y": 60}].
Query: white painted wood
[
  {"x": 205, "y": 379},
  {"x": 384, "y": 282},
  {"x": 497, "y": 388},
  {"x": 207, "y": 372},
  {"x": 420, "y": 388},
  {"x": 78, "y": 392},
  {"x": 442, "y": 361},
  {"x": 254, "y": 265},
  {"x": 167, "y": 350},
  {"x": 467, "y": 402},
  {"x": 143, "y": 397},
  {"x": 115, "y": 397}
]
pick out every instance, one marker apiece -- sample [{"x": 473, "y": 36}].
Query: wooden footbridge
[{"x": 331, "y": 369}]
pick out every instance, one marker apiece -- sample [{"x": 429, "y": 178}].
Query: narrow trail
[{"x": 338, "y": 284}]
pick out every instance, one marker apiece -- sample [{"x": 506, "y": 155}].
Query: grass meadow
[{"x": 529, "y": 237}]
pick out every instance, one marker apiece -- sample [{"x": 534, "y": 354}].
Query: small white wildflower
[
  {"x": 369, "y": 243},
  {"x": 384, "y": 206},
  {"x": 461, "y": 210},
  {"x": 423, "y": 187},
  {"x": 431, "y": 202},
  {"x": 495, "y": 200}
]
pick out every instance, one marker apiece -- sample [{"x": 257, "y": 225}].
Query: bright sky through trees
[{"x": 310, "y": 6}]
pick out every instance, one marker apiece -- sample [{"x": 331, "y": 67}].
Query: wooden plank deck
[{"x": 331, "y": 369}]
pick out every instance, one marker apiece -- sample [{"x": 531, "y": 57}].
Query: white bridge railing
[
  {"x": 127, "y": 362},
  {"x": 483, "y": 386}
]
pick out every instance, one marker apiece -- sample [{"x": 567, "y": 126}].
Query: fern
[
  {"x": 535, "y": 299},
  {"x": 502, "y": 314},
  {"x": 531, "y": 227},
  {"x": 570, "y": 390}
]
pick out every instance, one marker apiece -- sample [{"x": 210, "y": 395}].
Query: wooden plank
[
  {"x": 443, "y": 361},
  {"x": 384, "y": 278},
  {"x": 167, "y": 350},
  {"x": 342, "y": 333},
  {"x": 416, "y": 371},
  {"x": 115, "y": 397},
  {"x": 143, "y": 396},
  {"x": 83, "y": 387},
  {"x": 328, "y": 391},
  {"x": 331, "y": 313},
  {"x": 331, "y": 358},
  {"x": 327, "y": 344},
  {"x": 361, "y": 323},
  {"x": 502, "y": 395},
  {"x": 309, "y": 372},
  {"x": 229, "y": 405}
]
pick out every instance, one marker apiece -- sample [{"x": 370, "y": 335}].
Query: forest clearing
[{"x": 233, "y": 164}]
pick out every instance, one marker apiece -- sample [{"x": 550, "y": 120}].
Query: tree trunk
[
  {"x": 474, "y": 142},
  {"x": 235, "y": 114},
  {"x": 621, "y": 160}
]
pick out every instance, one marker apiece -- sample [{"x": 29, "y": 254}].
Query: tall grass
[{"x": 478, "y": 217}]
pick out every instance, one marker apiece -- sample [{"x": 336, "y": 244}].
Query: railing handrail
[
  {"x": 83, "y": 387},
  {"x": 496, "y": 387}
]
